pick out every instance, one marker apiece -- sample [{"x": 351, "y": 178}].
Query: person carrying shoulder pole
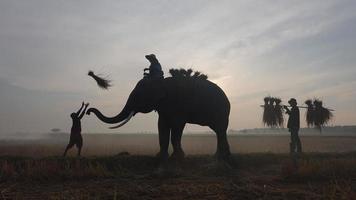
[{"x": 293, "y": 126}]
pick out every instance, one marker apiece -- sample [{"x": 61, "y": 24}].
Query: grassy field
[
  {"x": 259, "y": 168},
  {"x": 147, "y": 144},
  {"x": 246, "y": 176}
]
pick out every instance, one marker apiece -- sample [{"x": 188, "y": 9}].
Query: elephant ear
[
  {"x": 150, "y": 92},
  {"x": 158, "y": 90}
]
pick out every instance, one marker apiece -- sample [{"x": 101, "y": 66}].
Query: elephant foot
[
  {"x": 162, "y": 156},
  {"x": 222, "y": 154},
  {"x": 178, "y": 155}
]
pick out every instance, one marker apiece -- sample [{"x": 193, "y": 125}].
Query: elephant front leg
[
  {"x": 163, "y": 133},
  {"x": 176, "y": 137}
]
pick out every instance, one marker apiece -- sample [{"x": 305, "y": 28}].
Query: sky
[{"x": 251, "y": 49}]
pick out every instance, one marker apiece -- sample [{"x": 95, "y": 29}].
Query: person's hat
[
  {"x": 150, "y": 56},
  {"x": 292, "y": 100}
]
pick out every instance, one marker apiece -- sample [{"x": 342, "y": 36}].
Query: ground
[
  {"x": 259, "y": 168},
  {"x": 245, "y": 176}
]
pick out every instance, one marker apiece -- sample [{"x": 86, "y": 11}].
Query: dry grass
[
  {"x": 319, "y": 167},
  {"x": 250, "y": 174},
  {"x": 108, "y": 145},
  {"x": 245, "y": 176}
]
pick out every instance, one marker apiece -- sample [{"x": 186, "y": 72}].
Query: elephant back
[{"x": 197, "y": 93}]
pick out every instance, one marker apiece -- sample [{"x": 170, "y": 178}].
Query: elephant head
[{"x": 144, "y": 98}]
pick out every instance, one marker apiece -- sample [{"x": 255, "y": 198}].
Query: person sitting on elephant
[
  {"x": 75, "y": 134},
  {"x": 155, "y": 69}
]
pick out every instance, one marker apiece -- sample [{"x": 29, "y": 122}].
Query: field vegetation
[{"x": 40, "y": 173}]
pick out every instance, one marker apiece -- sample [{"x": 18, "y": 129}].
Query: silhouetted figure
[
  {"x": 293, "y": 126},
  {"x": 155, "y": 69},
  {"x": 75, "y": 134}
]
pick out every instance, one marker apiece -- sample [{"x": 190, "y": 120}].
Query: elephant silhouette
[{"x": 184, "y": 97}]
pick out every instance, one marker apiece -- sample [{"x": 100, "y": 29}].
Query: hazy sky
[{"x": 251, "y": 49}]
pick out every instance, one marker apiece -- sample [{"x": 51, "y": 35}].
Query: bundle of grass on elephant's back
[
  {"x": 103, "y": 83},
  {"x": 183, "y": 73}
]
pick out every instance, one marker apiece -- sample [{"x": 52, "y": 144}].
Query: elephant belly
[
  {"x": 206, "y": 117},
  {"x": 203, "y": 104}
]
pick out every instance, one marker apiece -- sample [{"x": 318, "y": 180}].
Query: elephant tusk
[{"x": 124, "y": 122}]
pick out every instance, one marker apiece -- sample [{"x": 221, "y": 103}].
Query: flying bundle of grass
[
  {"x": 317, "y": 115},
  {"x": 278, "y": 112},
  {"x": 102, "y": 82}
]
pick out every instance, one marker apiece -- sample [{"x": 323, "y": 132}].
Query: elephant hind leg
[
  {"x": 176, "y": 137},
  {"x": 223, "y": 148}
]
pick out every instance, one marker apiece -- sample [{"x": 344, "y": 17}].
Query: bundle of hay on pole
[
  {"x": 310, "y": 113},
  {"x": 265, "y": 111},
  {"x": 272, "y": 112},
  {"x": 273, "y": 119},
  {"x": 103, "y": 83},
  {"x": 278, "y": 111},
  {"x": 321, "y": 115},
  {"x": 317, "y": 115}
]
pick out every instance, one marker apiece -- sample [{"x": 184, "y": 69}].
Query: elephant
[{"x": 179, "y": 99}]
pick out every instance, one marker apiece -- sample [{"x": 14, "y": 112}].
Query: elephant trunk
[{"x": 124, "y": 114}]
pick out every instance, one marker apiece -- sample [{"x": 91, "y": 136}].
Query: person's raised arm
[
  {"x": 84, "y": 110},
  {"x": 78, "y": 112}
]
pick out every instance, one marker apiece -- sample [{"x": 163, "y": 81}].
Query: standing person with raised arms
[{"x": 75, "y": 134}]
